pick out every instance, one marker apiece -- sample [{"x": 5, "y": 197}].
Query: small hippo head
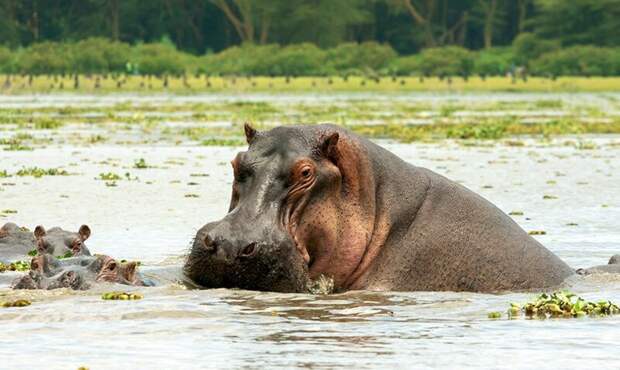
[
  {"x": 72, "y": 279},
  {"x": 614, "y": 260},
  {"x": 286, "y": 213},
  {"x": 113, "y": 271},
  {"x": 59, "y": 242}
]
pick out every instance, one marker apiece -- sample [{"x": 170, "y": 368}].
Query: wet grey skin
[
  {"x": 77, "y": 273},
  {"x": 612, "y": 267},
  {"x": 15, "y": 242},
  {"x": 369, "y": 220},
  {"x": 59, "y": 242}
]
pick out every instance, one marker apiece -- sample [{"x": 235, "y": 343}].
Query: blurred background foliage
[{"x": 311, "y": 37}]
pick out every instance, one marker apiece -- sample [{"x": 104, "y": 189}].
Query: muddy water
[{"x": 153, "y": 216}]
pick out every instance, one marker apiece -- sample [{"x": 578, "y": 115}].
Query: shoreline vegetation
[
  {"x": 201, "y": 83},
  {"x": 509, "y": 121}
]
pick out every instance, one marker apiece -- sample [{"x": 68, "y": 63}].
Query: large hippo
[{"x": 319, "y": 200}]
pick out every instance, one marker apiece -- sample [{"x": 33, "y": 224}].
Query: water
[{"x": 151, "y": 219}]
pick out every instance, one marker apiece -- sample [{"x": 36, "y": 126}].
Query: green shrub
[
  {"x": 159, "y": 59},
  {"x": 578, "y": 61},
  {"x": 446, "y": 61},
  {"x": 528, "y": 46},
  {"x": 406, "y": 65},
  {"x": 369, "y": 56},
  {"x": 45, "y": 58},
  {"x": 100, "y": 55},
  {"x": 493, "y": 62},
  {"x": 247, "y": 59},
  {"x": 6, "y": 59},
  {"x": 297, "y": 60}
]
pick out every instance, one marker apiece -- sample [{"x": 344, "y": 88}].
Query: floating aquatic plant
[
  {"x": 40, "y": 172},
  {"x": 17, "y": 303},
  {"x": 321, "y": 285},
  {"x": 15, "y": 266},
  {"x": 562, "y": 304},
  {"x": 121, "y": 296}
]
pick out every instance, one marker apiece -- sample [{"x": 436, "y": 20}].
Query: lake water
[{"x": 153, "y": 217}]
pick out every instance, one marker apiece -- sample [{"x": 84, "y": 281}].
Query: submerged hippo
[
  {"x": 17, "y": 242},
  {"x": 59, "y": 242},
  {"x": 612, "y": 267},
  {"x": 78, "y": 273},
  {"x": 319, "y": 200}
]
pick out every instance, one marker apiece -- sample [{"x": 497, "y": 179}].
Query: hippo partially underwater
[
  {"x": 62, "y": 259},
  {"x": 312, "y": 201}
]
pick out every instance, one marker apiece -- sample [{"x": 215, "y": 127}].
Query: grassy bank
[{"x": 17, "y": 84}]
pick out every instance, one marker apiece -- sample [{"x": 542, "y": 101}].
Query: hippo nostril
[
  {"x": 210, "y": 244},
  {"x": 249, "y": 250}
]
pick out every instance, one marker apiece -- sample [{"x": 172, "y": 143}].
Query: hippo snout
[
  {"x": 227, "y": 251},
  {"x": 226, "y": 255}
]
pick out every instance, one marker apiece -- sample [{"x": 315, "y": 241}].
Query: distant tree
[{"x": 573, "y": 22}]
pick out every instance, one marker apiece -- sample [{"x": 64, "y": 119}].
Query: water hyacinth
[
  {"x": 562, "y": 304},
  {"x": 121, "y": 296},
  {"x": 15, "y": 266},
  {"x": 17, "y": 303}
]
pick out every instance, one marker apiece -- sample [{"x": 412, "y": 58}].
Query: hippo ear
[
  {"x": 84, "y": 232},
  {"x": 328, "y": 145},
  {"x": 39, "y": 232},
  {"x": 250, "y": 132},
  {"x": 129, "y": 272}
]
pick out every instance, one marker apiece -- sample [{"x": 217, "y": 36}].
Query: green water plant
[
  {"x": 140, "y": 164},
  {"x": 121, "y": 296},
  {"x": 321, "y": 285},
  {"x": 40, "y": 172},
  {"x": 17, "y": 303},
  {"x": 561, "y": 304},
  {"x": 109, "y": 176},
  {"x": 15, "y": 266}
]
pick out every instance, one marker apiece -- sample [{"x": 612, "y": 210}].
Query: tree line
[
  {"x": 199, "y": 26},
  {"x": 311, "y": 37}
]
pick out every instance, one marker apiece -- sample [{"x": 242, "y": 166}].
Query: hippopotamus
[
  {"x": 17, "y": 242},
  {"x": 78, "y": 273},
  {"x": 59, "y": 242},
  {"x": 318, "y": 200},
  {"x": 612, "y": 267}
]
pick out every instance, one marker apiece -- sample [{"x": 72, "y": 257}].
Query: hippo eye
[
  {"x": 112, "y": 266},
  {"x": 305, "y": 172}
]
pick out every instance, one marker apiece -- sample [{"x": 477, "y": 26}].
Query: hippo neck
[{"x": 396, "y": 201}]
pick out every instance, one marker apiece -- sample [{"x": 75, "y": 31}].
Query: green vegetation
[
  {"x": 321, "y": 285},
  {"x": 15, "y": 266},
  {"x": 121, "y": 296},
  {"x": 561, "y": 304},
  {"x": 40, "y": 172},
  {"x": 138, "y": 164},
  {"x": 17, "y": 303},
  {"x": 109, "y": 176},
  {"x": 161, "y": 62}
]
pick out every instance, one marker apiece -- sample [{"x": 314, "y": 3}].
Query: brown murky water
[{"x": 153, "y": 217}]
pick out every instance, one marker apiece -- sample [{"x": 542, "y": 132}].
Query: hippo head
[
  {"x": 113, "y": 271},
  {"x": 78, "y": 273},
  {"x": 59, "y": 242},
  {"x": 285, "y": 213}
]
